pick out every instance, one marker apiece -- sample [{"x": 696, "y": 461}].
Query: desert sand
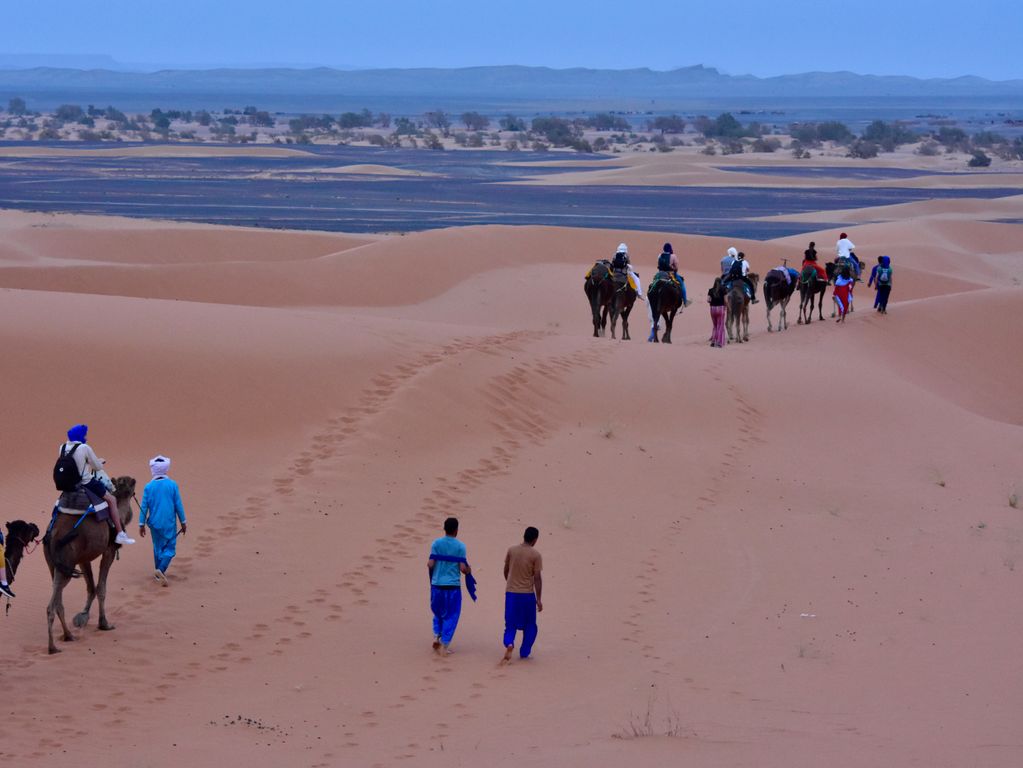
[{"x": 795, "y": 552}]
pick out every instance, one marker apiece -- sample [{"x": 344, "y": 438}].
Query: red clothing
[{"x": 821, "y": 272}]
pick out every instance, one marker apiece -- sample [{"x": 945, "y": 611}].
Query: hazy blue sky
[{"x": 926, "y": 38}]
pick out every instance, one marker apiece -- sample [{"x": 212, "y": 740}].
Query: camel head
[
  {"x": 124, "y": 487},
  {"x": 19, "y": 535}
]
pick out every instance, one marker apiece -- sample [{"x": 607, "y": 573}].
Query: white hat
[
  {"x": 159, "y": 466},
  {"x": 622, "y": 248},
  {"x": 733, "y": 252}
]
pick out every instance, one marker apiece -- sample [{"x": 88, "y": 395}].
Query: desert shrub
[
  {"x": 432, "y": 141},
  {"x": 376, "y": 139},
  {"x": 600, "y": 144},
  {"x": 928, "y": 148},
  {"x": 834, "y": 131},
  {"x": 439, "y": 119},
  {"x": 461, "y": 139},
  {"x": 668, "y": 124},
  {"x": 261, "y": 118},
  {"x": 988, "y": 139},
  {"x": 663, "y": 146},
  {"x": 539, "y": 146},
  {"x": 17, "y": 106},
  {"x": 512, "y": 123},
  {"x": 732, "y": 147},
  {"x": 49, "y": 134},
  {"x": 474, "y": 121},
  {"x": 888, "y": 136},
  {"x": 69, "y": 113},
  {"x": 863, "y": 149},
  {"x": 605, "y": 121},
  {"x": 709, "y": 150},
  {"x": 556, "y": 131},
  {"x": 765, "y": 145},
  {"x": 511, "y": 145},
  {"x": 953, "y": 139},
  {"x": 979, "y": 160},
  {"x": 475, "y": 140},
  {"x": 363, "y": 119},
  {"x": 675, "y": 141},
  {"x": 405, "y": 127}
]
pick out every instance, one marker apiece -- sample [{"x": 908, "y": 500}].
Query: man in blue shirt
[
  {"x": 162, "y": 509},
  {"x": 446, "y": 564}
]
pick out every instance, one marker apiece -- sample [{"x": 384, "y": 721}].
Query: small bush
[
  {"x": 928, "y": 148},
  {"x": 979, "y": 160},
  {"x": 765, "y": 145},
  {"x": 862, "y": 149}
]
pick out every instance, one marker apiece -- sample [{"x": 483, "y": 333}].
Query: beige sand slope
[{"x": 796, "y": 552}]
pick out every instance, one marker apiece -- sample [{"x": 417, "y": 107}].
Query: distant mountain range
[{"x": 488, "y": 87}]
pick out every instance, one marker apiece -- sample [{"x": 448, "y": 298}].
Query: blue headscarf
[
  {"x": 885, "y": 261},
  {"x": 77, "y": 433}
]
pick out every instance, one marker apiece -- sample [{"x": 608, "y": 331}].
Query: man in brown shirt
[{"x": 522, "y": 566}]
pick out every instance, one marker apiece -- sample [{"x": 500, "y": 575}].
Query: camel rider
[
  {"x": 668, "y": 262},
  {"x": 621, "y": 265},
  {"x": 810, "y": 260},
  {"x": 90, "y": 469},
  {"x": 740, "y": 271},
  {"x": 728, "y": 261}
]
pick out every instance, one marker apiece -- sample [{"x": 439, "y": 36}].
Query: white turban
[
  {"x": 732, "y": 252},
  {"x": 159, "y": 466},
  {"x": 622, "y": 248}
]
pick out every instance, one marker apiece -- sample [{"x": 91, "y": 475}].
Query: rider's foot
[
  {"x": 5, "y": 590},
  {"x": 122, "y": 538}
]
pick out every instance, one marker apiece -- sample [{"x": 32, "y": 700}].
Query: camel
[
  {"x": 737, "y": 303},
  {"x": 19, "y": 535},
  {"x": 810, "y": 287},
  {"x": 599, "y": 288},
  {"x": 67, "y": 547},
  {"x": 665, "y": 297},
  {"x": 778, "y": 289},
  {"x": 621, "y": 304}
]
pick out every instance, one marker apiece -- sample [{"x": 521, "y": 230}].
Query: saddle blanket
[{"x": 80, "y": 502}]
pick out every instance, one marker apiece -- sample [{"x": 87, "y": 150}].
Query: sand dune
[{"x": 791, "y": 552}]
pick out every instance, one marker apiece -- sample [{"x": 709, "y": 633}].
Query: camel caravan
[
  {"x": 612, "y": 287},
  {"x": 87, "y": 524}
]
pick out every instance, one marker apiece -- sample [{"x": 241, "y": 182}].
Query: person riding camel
[
  {"x": 90, "y": 469},
  {"x": 810, "y": 260},
  {"x": 728, "y": 261},
  {"x": 668, "y": 262},
  {"x": 621, "y": 265},
  {"x": 739, "y": 271},
  {"x": 844, "y": 252}
]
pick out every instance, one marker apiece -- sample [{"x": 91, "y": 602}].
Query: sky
[{"x": 923, "y": 38}]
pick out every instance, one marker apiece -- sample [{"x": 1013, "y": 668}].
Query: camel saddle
[{"x": 80, "y": 502}]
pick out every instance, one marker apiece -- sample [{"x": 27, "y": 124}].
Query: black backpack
[
  {"x": 884, "y": 276},
  {"x": 736, "y": 270},
  {"x": 65, "y": 472},
  {"x": 664, "y": 262},
  {"x": 618, "y": 262}
]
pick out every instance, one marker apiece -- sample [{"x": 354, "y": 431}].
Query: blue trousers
[
  {"x": 165, "y": 546},
  {"x": 520, "y": 613},
  {"x": 883, "y": 292},
  {"x": 446, "y": 605}
]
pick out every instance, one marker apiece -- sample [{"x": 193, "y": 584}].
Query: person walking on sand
[
  {"x": 446, "y": 564},
  {"x": 162, "y": 509},
  {"x": 522, "y": 597},
  {"x": 882, "y": 277},
  {"x": 842, "y": 296},
  {"x": 716, "y": 299},
  {"x": 89, "y": 467}
]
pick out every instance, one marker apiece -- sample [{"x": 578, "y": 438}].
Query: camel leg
[
  {"x": 767, "y": 304},
  {"x": 614, "y": 322},
  {"x": 101, "y": 588},
  {"x": 745, "y": 323},
  {"x": 625, "y": 325},
  {"x": 81, "y": 619},
  {"x": 669, "y": 321},
  {"x": 56, "y": 608}
]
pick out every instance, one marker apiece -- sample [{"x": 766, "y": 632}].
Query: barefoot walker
[
  {"x": 446, "y": 564},
  {"x": 522, "y": 566}
]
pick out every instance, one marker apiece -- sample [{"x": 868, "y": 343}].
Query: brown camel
[
  {"x": 737, "y": 303},
  {"x": 67, "y": 547},
  {"x": 20, "y": 535},
  {"x": 622, "y": 299},
  {"x": 599, "y": 287},
  {"x": 778, "y": 289}
]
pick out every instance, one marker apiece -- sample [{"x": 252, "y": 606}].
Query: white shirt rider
[{"x": 844, "y": 247}]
